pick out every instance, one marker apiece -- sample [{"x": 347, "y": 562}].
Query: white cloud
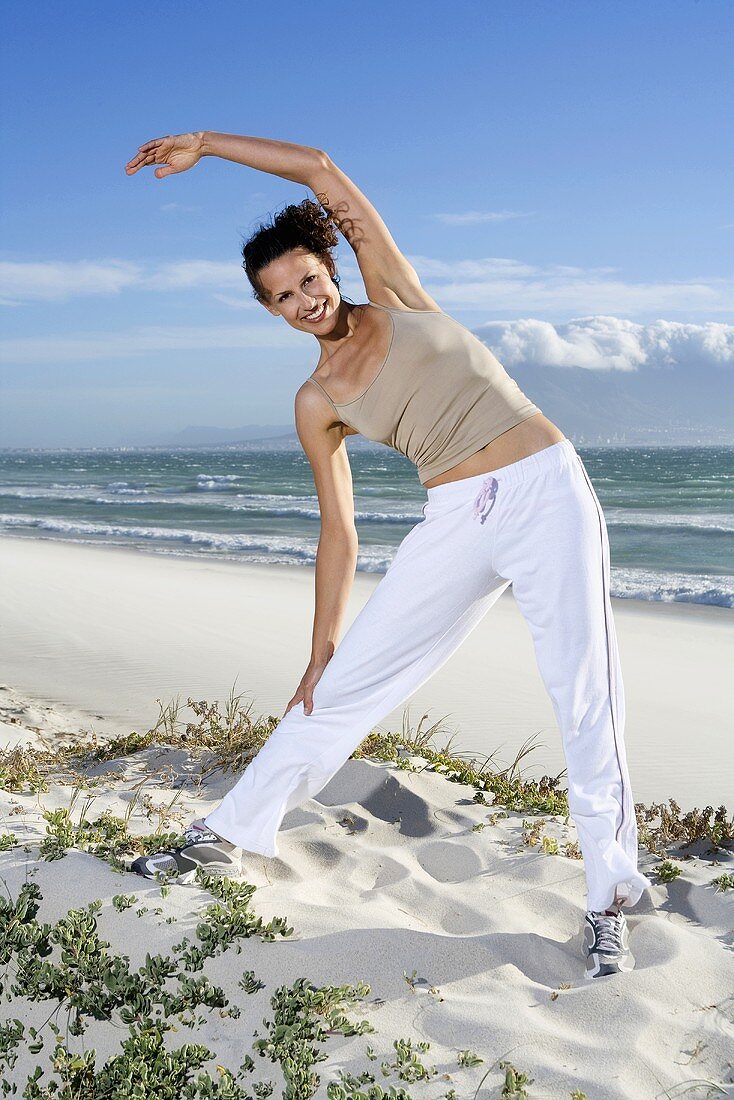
[
  {"x": 239, "y": 301},
  {"x": 154, "y": 338},
  {"x": 187, "y": 274},
  {"x": 53, "y": 280},
  {"x": 608, "y": 343},
  {"x": 506, "y": 285},
  {"x": 56, "y": 280},
  {"x": 500, "y": 267},
  {"x": 493, "y": 284},
  {"x": 489, "y": 267},
  {"x": 595, "y": 343},
  {"x": 477, "y": 217}
]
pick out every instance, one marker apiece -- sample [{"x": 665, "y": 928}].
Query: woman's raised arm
[
  {"x": 177, "y": 152},
  {"x": 382, "y": 265}
]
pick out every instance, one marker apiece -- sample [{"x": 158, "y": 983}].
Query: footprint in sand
[
  {"x": 449, "y": 862},
  {"x": 377, "y": 873},
  {"x": 460, "y": 920}
]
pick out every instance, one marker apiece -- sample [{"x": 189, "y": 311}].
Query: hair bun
[{"x": 306, "y": 224}]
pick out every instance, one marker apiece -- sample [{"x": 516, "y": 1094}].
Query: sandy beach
[
  {"x": 467, "y": 932},
  {"x": 108, "y": 631}
]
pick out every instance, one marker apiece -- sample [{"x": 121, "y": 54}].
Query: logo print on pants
[{"x": 485, "y": 499}]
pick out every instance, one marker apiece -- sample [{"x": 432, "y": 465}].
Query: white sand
[
  {"x": 383, "y": 878},
  {"x": 382, "y": 874},
  {"x": 111, "y": 630}
]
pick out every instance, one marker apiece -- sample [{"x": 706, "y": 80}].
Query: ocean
[{"x": 669, "y": 510}]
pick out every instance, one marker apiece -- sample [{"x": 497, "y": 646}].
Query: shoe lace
[
  {"x": 193, "y": 834},
  {"x": 608, "y": 931}
]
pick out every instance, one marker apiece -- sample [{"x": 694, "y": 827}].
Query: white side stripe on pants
[{"x": 605, "y": 590}]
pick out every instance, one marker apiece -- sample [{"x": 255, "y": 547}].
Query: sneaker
[
  {"x": 203, "y": 848},
  {"x": 606, "y": 943}
]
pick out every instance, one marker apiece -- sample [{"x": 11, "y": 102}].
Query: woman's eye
[
  {"x": 306, "y": 280},
  {"x": 284, "y": 296}
]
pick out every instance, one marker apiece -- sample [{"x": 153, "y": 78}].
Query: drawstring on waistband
[{"x": 485, "y": 498}]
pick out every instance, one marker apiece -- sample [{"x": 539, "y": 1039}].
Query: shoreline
[
  {"x": 103, "y": 632},
  {"x": 688, "y": 606}
]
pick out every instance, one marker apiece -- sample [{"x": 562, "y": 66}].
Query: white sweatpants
[{"x": 536, "y": 524}]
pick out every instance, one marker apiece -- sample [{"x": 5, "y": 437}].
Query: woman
[{"x": 509, "y": 502}]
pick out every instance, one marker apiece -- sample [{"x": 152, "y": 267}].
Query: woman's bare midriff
[{"x": 527, "y": 437}]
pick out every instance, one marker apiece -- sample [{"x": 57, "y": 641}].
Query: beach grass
[
  {"x": 70, "y": 968},
  {"x": 225, "y": 738}
]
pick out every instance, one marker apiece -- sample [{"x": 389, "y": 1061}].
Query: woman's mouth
[{"x": 314, "y": 318}]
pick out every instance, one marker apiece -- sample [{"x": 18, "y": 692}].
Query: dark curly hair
[{"x": 306, "y": 224}]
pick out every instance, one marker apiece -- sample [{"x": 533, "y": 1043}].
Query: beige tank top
[{"x": 439, "y": 396}]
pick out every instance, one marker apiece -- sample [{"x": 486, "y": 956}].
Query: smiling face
[{"x": 299, "y": 286}]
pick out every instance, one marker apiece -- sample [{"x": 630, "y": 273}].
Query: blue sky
[{"x": 550, "y": 169}]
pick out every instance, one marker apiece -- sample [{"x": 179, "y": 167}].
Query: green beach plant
[
  {"x": 68, "y": 964},
  {"x": 236, "y": 738},
  {"x": 667, "y": 871},
  {"x": 227, "y": 738},
  {"x": 71, "y": 966}
]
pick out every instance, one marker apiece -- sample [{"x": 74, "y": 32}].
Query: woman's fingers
[
  {"x": 139, "y": 161},
  {"x": 146, "y": 154},
  {"x": 292, "y": 703},
  {"x": 304, "y": 695},
  {"x": 150, "y": 144},
  {"x": 136, "y": 165},
  {"x": 171, "y": 161}
]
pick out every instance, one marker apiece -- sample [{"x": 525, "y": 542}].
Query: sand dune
[{"x": 384, "y": 877}]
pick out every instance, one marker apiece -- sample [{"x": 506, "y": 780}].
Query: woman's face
[{"x": 299, "y": 285}]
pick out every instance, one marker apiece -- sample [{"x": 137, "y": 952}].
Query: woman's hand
[
  {"x": 309, "y": 680},
  {"x": 176, "y": 153}
]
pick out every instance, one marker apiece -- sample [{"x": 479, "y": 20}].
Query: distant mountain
[
  {"x": 663, "y": 405},
  {"x": 204, "y": 436},
  {"x": 262, "y": 436},
  {"x": 251, "y": 433},
  {"x": 660, "y": 405}
]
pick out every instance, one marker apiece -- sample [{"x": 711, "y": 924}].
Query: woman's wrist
[{"x": 322, "y": 653}]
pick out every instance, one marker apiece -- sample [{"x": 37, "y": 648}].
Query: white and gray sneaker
[
  {"x": 203, "y": 848},
  {"x": 606, "y": 943}
]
